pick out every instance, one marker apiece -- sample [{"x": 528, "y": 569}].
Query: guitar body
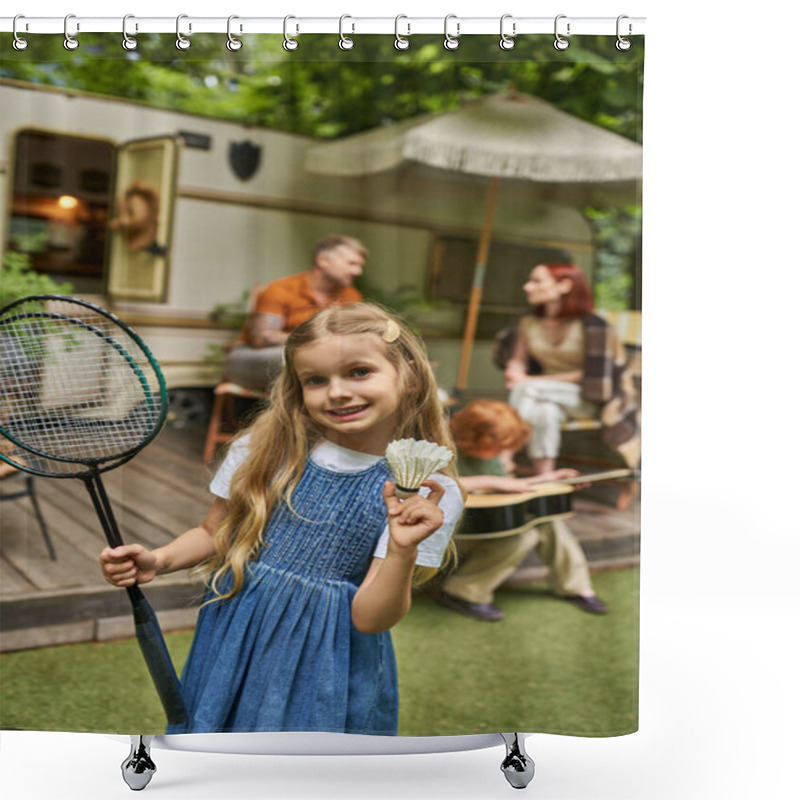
[{"x": 492, "y": 516}]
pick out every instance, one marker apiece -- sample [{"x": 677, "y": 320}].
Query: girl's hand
[
  {"x": 127, "y": 565},
  {"x": 414, "y": 519}
]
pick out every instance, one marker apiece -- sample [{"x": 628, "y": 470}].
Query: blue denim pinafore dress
[{"x": 283, "y": 654}]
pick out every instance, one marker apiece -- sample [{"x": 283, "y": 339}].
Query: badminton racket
[{"x": 80, "y": 394}]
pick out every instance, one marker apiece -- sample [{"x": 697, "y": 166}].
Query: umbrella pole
[{"x": 477, "y": 287}]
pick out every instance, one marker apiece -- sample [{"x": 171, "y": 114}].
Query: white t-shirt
[{"x": 340, "y": 459}]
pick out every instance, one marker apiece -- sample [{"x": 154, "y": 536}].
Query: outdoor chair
[
  {"x": 8, "y": 473},
  {"x": 221, "y": 426}
]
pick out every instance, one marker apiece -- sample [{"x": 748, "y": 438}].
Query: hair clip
[{"x": 392, "y": 332}]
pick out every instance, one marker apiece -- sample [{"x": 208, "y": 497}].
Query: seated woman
[
  {"x": 486, "y": 431},
  {"x": 565, "y": 362}
]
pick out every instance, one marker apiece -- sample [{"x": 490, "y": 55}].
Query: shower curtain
[{"x": 171, "y": 185}]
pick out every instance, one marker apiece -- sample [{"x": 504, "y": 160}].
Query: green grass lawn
[{"x": 547, "y": 667}]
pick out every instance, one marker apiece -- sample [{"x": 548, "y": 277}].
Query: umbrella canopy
[{"x": 507, "y": 135}]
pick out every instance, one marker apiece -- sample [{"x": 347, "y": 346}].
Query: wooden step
[{"x": 44, "y": 618}]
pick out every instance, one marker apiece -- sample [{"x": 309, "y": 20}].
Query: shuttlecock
[{"x": 413, "y": 461}]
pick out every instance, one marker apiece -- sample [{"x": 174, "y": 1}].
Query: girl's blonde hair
[{"x": 281, "y": 436}]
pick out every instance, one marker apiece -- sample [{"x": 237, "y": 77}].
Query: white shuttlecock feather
[{"x": 413, "y": 461}]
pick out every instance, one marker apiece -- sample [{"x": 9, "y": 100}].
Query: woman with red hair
[{"x": 565, "y": 359}]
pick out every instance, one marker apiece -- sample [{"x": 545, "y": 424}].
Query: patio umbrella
[{"x": 506, "y": 135}]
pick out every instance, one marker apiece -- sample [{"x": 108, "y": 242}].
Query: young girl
[{"x": 310, "y": 554}]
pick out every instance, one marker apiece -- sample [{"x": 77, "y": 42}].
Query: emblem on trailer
[{"x": 244, "y": 158}]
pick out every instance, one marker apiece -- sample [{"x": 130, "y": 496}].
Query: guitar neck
[{"x": 590, "y": 477}]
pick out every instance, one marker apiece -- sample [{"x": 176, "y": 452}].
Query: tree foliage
[
  {"x": 617, "y": 239},
  {"x": 322, "y": 91}
]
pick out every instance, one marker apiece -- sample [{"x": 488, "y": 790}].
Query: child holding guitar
[{"x": 486, "y": 432}]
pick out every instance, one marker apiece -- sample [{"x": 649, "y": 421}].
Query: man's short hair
[{"x": 334, "y": 241}]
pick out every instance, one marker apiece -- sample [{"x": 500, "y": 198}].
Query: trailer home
[{"x": 234, "y": 205}]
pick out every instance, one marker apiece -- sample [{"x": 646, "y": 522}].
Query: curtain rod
[{"x": 453, "y": 26}]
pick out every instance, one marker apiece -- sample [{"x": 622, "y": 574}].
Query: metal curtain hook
[
  {"x": 181, "y": 42},
  {"x": 19, "y": 43},
  {"x": 623, "y": 43},
  {"x": 451, "y": 42},
  {"x": 289, "y": 44},
  {"x": 507, "y": 42},
  {"x": 560, "y": 43},
  {"x": 128, "y": 42},
  {"x": 70, "y": 42},
  {"x": 345, "y": 42},
  {"x": 400, "y": 42},
  {"x": 233, "y": 44}
]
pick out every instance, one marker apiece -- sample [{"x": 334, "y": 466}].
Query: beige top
[{"x": 564, "y": 356}]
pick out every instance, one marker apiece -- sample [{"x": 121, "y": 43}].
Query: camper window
[{"x": 59, "y": 205}]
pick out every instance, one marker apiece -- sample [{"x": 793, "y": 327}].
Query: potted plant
[{"x": 18, "y": 279}]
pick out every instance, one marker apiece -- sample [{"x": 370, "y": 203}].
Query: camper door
[{"x": 142, "y": 217}]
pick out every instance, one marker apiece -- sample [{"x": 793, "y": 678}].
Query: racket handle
[
  {"x": 156, "y": 656},
  {"x": 102, "y": 507},
  {"x": 148, "y": 633}
]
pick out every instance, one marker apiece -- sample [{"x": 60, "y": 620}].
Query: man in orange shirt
[{"x": 256, "y": 358}]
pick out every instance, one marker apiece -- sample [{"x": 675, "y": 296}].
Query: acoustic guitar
[{"x": 498, "y": 514}]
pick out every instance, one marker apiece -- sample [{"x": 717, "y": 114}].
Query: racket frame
[{"x": 116, "y": 459}]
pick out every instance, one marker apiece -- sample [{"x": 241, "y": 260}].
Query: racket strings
[{"x": 74, "y": 385}]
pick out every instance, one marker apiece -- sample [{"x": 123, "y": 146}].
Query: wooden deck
[{"x": 157, "y": 495}]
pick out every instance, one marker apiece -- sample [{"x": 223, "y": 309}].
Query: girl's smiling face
[{"x": 351, "y": 390}]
